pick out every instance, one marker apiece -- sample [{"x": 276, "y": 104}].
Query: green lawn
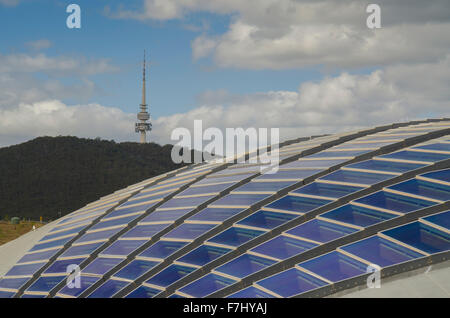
[{"x": 9, "y": 232}]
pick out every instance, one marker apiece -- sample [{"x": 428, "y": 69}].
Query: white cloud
[
  {"x": 24, "y": 88},
  {"x": 18, "y": 83},
  {"x": 59, "y": 65},
  {"x": 410, "y": 52},
  {"x": 330, "y": 45},
  {"x": 334, "y": 104},
  {"x": 170, "y": 9},
  {"x": 52, "y": 118},
  {"x": 39, "y": 44},
  {"x": 30, "y": 105},
  {"x": 288, "y": 12},
  {"x": 203, "y": 46},
  {"x": 411, "y": 48},
  {"x": 340, "y": 103},
  {"x": 282, "y": 34}
]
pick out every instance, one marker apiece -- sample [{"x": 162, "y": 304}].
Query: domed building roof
[{"x": 342, "y": 213}]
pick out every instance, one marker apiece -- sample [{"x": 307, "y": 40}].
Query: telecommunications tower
[{"x": 143, "y": 116}]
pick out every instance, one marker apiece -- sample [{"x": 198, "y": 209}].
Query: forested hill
[{"x": 51, "y": 175}]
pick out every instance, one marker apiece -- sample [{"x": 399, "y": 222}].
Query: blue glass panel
[
  {"x": 250, "y": 292},
  {"x": 162, "y": 249},
  {"x": 235, "y": 236},
  {"x": 22, "y": 270},
  {"x": 394, "y": 202},
  {"x": 176, "y": 181},
  {"x": 33, "y": 296},
  {"x": 421, "y": 236},
  {"x": 411, "y": 132},
  {"x": 70, "y": 219},
  {"x": 85, "y": 283},
  {"x": 68, "y": 232},
  {"x": 45, "y": 283},
  {"x": 267, "y": 219},
  {"x": 102, "y": 265},
  {"x": 327, "y": 190},
  {"x": 380, "y": 251},
  {"x": 289, "y": 174},
  {"x": 38, "y": 256},
  {"x": 283, "y": 247},
  {"x": 156, "y": 193},
  {"x": 206, "y": 285},
  {"x": 101, "y": 235},
  {"x": 65, "y": 220},
  {"x": 335, "y": 266},
  {"x": 443, "y": 175},
  {"x": 338, "y": 154},
  {"x": 13, "y": 283},
  {"x": 145, "y": 231},
  {"x": 123, "y": 247},
  {"x": 356, "y": 215},
  {"x": 388, "y": 166},
  {"x": 233, "y": 178},
  {"x": 297, "y": 204},
  {"x": 203, "y": 255},
  {"x": 441, "y": 219},
  {"x": 356, "y": 177},
  {"x": 76, "y": 216},
  {"x": 57, "y": 243},
  {"x": 119, "y": 213},
  {"x": 388, "y": 136},
  {"x": 416, "y": 156},
  {"x": 144, "y": 206},
  {"x": 135, "y": 269},
  {"x": 215, "y": 214},
  {"x": 264, "y": 186},
  {"x": 169, "y": 215},
  {"x": 82, "y": 216},
  {"x": 171, "y": 183},
  {"x": 245, "y": 265},
  {"x": 143, "y": 292},
  {"x": 4, "y": 294},
  {"x": 240, "y": 168},
  {"x": 325, "y": 163},
  {"x": 108, "y": 289},
  {"x": 83, "y": 222},
  {"x": 81, "y": 250},
  {"x": 291, "y": 282},
  {"x": 321, "y": 231},
  {"x": 216, "y": 188},
  {"x": 145, "y": 199},
  {"x": 240, "y": 199},
  {"x": 373, "y": 145},
  {"x": 170, "y": 275},
  {"x": 126, "y": 211},
  {"x": 436, "y": 146},
  {"x": 121, "y": 221},
  {"x": 60, "y": 266},
  {"x": 186, "y": 202},
  {"x": 424, "y": 188},
  {"x": 189, "y": 231}
]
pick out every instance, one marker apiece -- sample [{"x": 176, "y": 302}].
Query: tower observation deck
[{"x": 143, "y": 116}]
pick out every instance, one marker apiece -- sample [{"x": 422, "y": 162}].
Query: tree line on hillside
[{"x": 51, "y": 176}]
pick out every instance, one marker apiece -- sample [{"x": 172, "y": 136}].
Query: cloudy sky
[{"x": 304, "y": 66}]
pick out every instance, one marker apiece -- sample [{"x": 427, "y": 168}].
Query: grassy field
[{"x": 9, "y": 232}]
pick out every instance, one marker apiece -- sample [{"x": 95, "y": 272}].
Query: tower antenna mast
[{"x": 143, "y": 116}]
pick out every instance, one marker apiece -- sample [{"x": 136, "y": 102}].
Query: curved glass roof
[{"x": 337, "y": 206}]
